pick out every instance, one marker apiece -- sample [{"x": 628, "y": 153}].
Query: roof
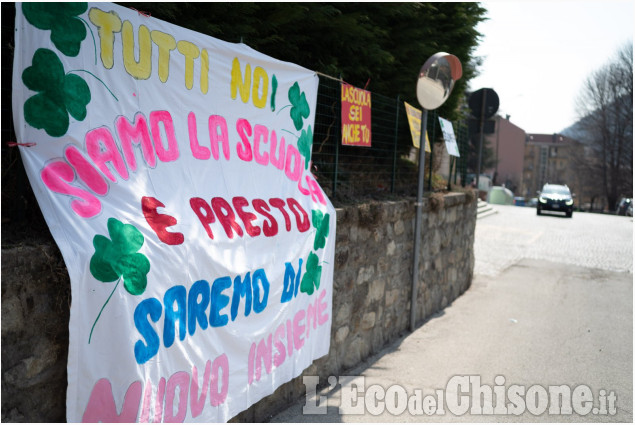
[{"x": 552, "y": 139}]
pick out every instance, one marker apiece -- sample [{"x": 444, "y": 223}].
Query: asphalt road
[
  {"x": 546, "y": 329},
  {"x": 603, "y": 242}
]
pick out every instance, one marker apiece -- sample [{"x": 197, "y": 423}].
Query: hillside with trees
[{"x": 604, "y": 159}]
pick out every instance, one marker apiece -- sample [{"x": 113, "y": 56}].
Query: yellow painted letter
[
  {"x": 204, "y": 71},
  {"x": 260, "y": 99},
  {"x": 140, "y": 70},
  {"x": 108, "y": 23},
  {"x": 237, "y": 82},
  {"x": 191, "y": 52},
  {"x": 166, "y": 43}
]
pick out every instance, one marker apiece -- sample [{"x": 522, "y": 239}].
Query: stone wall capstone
[{"x": 371, "y": 300}]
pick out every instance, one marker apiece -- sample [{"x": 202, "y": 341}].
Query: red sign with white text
[{"x": 355, "y": 116}]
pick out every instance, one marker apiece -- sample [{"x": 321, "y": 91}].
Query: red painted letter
[{"x": 158, "y": 222}]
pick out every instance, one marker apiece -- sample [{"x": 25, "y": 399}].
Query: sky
[{"x": 538, "y": 54}]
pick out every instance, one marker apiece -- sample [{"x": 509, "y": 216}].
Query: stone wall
[
  {"x": 373, "y": 281},
  {"x": 371, "y": 302},
  {"x": 35, "y": 315}
]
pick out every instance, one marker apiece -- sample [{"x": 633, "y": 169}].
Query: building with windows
[
  {"x": 547, "y": 160},
  {"x": 508, "y": 145}
]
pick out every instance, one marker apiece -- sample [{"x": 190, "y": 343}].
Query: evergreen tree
[{"x": 383, "y": 45}]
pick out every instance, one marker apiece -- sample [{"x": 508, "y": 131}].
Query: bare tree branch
[{"x": 605, "y": 109}]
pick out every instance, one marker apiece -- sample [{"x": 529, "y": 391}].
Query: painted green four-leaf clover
[
  {"x": 299, "y": 111},
  {"x": 304, "y": 146},
  {"x": 321, "y": 224},
  {"x": 311, "y": 279},
  {"x": 67, "y": 29},
  {"x": 59, "y": 94},
  {"x": 299, "y": 106},
  {"x": 117, "y": 258}
]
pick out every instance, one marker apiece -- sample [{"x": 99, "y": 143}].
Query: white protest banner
[
  {"x": 172, "y": 169},
  {"x": 448, "y": 136}
]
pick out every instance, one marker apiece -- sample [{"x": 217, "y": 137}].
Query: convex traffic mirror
[{"x": 436, "y": 79}]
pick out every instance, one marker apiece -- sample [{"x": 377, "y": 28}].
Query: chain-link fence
[{"x": 390, "y": 164}]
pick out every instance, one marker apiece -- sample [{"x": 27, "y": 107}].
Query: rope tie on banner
[
  {"x": 328, "y": 76},
  {"x": 14, "y": 144},
  {"x": 141, "y": 12}
]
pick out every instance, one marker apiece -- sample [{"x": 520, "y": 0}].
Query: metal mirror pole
[
  {"x": 440, "y": 70},
  {"x": 415, "y": 266}
]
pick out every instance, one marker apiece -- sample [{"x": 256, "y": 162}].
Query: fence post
[
  {"x": 337, "y": 139},
  {"x": 394, "y": 154},
  {"x": 459, "y": 165},
  {"x": 452, "y": 163},
  {"x": 337, "y": 157},
  {"x": 434, "y": 120},
  {"x": 464, "y": 152}
]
